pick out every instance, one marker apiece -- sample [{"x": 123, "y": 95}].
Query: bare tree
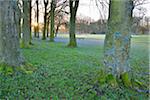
[
  {"x": 52, "y": 29},
  {"x": 36, "y": 34},
  {"x": 45, "y": 18},
  {"x": 60, "y": 13},
  {"x": 30, "y": 7},
  {"x": 73, "y": 5}
]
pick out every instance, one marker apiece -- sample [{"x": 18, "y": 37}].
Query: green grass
[
  {"x": 137, "y": 38},
  {"x": 85, "y": 36},
  {"x": 70, "y": 74}
]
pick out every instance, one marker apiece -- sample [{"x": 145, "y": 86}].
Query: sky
[{"x": 89, "y": 8}]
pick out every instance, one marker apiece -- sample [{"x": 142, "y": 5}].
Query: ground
[{"x": 71, "y": 73}]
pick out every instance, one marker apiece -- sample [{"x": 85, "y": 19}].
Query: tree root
[
  {"x": 9, "y": 70},
  {"x": 124, "y": 80}
]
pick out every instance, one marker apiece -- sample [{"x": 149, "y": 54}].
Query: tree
[
  {"x": 18, "y": 11},
  {"x": 30, "y": 3},
  {"x": 56, "y": 9},
  {"x": 52, "y": 24},
  {"x": 73, "y": 5},
  {"x": 147, "y": 20},
  {"x": 59, "y": 19},
  {"x": 48, "y": 27},
  {"x": 45, "y": 19},
  {"x": 118, "y": 37},
  {"x": 36, "y": 33},
  {"x": 26, "y": 24},
  {"x": 60, "y": 13},
  {"x": 9, "y": 38}
]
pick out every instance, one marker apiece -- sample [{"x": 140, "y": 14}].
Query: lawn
[
  {"x": 64, "y": 73},
  {"x": 85, "y": 36}
]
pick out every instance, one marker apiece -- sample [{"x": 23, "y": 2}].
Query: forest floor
[{"x": 71, "y": 73}]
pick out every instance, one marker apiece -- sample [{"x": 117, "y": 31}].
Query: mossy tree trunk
[
  {"x": 30, "y": 3},
  {"x": 26, "y": 24},
  {"x": 45, "y": 19},
  {"x": 9, "y": 38},
  {"x": 118, "y": 37},
  {"x": 73, "y": 4},
  {"x": 52, "y": 24}
]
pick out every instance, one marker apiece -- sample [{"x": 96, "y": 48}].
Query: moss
[
  {"x": 138, "y": 84},
  {"x": 126, "y": 80},
  {"x": 105, "y": 78},
  {"x": 8, "y": 70},
  {"x": 23, "y": 44},
  {"x": 111, "y": 80},
  {"x": 102, "y": 80},
  {"x": 26, "y": 68},
  {"x": 72, "y": 44}
]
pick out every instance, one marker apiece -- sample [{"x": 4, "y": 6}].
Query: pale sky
[{"x": 89, "y": 8}]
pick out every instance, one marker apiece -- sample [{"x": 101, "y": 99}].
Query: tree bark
[
  {"x": 73, "y": 11},
  {"x": 26, "y": 24},
  {"x": 118, "y": 37},
  {"x": 9, "y": 38},
  {"x": 18, "y": 19},
  {"x": 72, "y": 36},
  {"x": 52, "y": 29},
  {"x": 48, "y": 27},
  {"x": 45, "y": 19},
  {"x": 30, "y": 3},
  {"x": 36, "y": 28},
  {"x": 57, "y": 28}
]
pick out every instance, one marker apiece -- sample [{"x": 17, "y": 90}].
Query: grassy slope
[{"x": 69, "y": 73}]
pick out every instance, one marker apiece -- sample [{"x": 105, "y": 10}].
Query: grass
[
  {"x": 70, "y": 73},
  {"x": 144, "y": 38},
  {"x": 84, "y": 36}
]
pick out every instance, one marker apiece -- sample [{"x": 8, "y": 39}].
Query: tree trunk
[
  {"x": 117, "y": 41},
  {"x": 26, "y": 24},
  {"x": 18, "y": 19},
  {"x": 44, "y": 30},
  {"x": 37, "y": 19},
  {"x": 48, "y": 27},
  {"x": 52, "y": 29},
  {"x": 9, "y": 39},
  {"x": 73, "y": 10},
  {"x": 19, "y": 27},
  {"x": 30, "y": 3},
  {"x": 72, "y": 42},
  {"x": 45, "y": 19},
  {"x": 57, "y": 28}
]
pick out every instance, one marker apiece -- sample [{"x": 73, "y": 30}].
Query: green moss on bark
[
  {"x": 126, "y": 80},
  {"x": 72, "y": 44},
  {"x": 9, "y": 70}
]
